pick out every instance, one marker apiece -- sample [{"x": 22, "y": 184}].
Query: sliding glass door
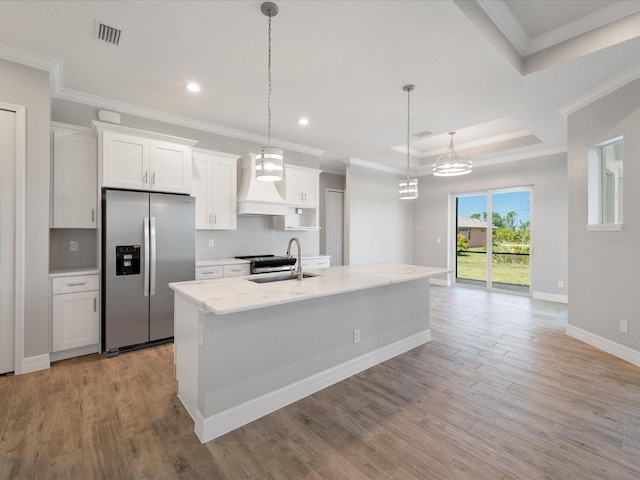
[{"x": 494, "y": 225}]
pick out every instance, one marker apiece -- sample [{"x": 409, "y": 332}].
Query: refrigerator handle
[
  {"x": 146, "y": 256},
  {"x": 152, "y": 288}
]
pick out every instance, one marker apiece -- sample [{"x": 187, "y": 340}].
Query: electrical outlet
[
  {"x": 438, "y": 240},
  {"x": 560, "y": 284},
  {"x": 624, "y": 326},
  {"x": 73, "y": 246},
  {"x": 212, "y": 243},
  {"x": 356, "y": 335}
]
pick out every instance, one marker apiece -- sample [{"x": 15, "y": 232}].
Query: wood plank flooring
[{"x": 500, "y": 393}]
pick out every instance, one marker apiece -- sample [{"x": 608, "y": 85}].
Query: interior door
[
  {"x": 7, "y": 236},
  {"x": 334, "y": 226}
]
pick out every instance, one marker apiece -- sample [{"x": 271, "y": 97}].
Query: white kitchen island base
[{"x": 233, "y": 368}]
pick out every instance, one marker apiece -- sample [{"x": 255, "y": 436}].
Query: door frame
[
  {"x": 451, "y": 257},
  {"x": 326, "y": 201},
  {"x": 19, "y": 233}
]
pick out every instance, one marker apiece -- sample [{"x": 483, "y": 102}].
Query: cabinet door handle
[
  {"x": 79, "y": 284},
  {"x": 153, "y": 178},
  {"x": 95, "y": 304},
  {"x": 210, "y": 220},
  {"x": 146, "y": 177},
  {"x": 215, "y": 219}
]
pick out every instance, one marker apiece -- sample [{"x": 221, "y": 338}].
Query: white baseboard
[
  {"x": 550, "y": 297},
  {"x": 216, "y": 425},
  {"x": 75, "y": 352},
  {"x": 35, "y": 363},
  {"x": 625, "y": 353}
]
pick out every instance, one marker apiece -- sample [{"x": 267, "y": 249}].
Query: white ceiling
[{"x": 499, "y": 72}]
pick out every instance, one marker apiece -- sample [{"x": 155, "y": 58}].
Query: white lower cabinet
[
  {"x": 207, "y": 272},
  {"x": 75, "y": 304},
  {"x": 316, "y": 262}
]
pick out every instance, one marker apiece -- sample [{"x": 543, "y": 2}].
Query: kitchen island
[{"x": 244, "y": 349}]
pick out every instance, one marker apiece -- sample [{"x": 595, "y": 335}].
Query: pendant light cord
[
  {"x": 269, "y": 97},
  {"x": 408, "y": 125}
]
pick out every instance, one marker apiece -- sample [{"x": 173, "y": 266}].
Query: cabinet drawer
[
  {"x": 236, "y": 270},
  {"x": 322, "y": 263},
  {"x": 207, "y": 273},
  {"x": 80, "y": 283}
]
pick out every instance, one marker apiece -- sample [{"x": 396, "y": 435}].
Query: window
[{"x": 605, "y": 178}]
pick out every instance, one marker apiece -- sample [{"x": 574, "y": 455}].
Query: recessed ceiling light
[
  {"x": 303, "y": 121},
  {"x": 193, "y": 87}
]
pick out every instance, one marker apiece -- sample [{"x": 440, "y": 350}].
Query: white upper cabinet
[
  {"x": 75, "y": 178},
  {"x": 301, "y": 186},
  {"x": 215, "y": 180},
  {"x": 139, "y": 160},
  {"x": 301, "y": 191}
]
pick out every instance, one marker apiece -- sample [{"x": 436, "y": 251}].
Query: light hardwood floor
[{"x": 501, "y": 392}]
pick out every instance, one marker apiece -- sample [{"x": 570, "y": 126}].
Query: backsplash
[
  {"x": 255, "y": 235},
  {"x": 60, "y": 255}
]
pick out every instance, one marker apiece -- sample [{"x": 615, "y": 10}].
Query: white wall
[
  {"x": 28, "y": 87},
  {"x": 604, "y": 266},
  {"x": 547, "y": 175},
  {"x": 378, "y": 225}
]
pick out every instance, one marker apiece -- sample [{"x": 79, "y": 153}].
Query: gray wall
[
  {"x": 603, "y": 266},
  {"x": 28, "y": 87},
  {"x": 378, "y": 225},
  {"x": 335, "y": 182},
  {"x": 547, "y": 175},
  {"x": 255, "y": 234},
  {"x": 61, "y": 257}
]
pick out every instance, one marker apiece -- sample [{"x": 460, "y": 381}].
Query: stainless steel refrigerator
[{"x": 148, "y": 241}]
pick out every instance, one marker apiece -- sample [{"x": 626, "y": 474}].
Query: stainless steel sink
[{"x": 279, "y": 278}]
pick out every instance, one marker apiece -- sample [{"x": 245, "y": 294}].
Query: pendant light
[
  {"x": 408, "y": 187},
  {"x": 269, "y": 160},
  {"x": 451, "y": 163}
]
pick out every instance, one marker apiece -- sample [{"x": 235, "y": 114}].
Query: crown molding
[
  {"x": 479, "y": 163},
  {"x": 602, "y": 90},
  {"x": 34, "y": 60},
  {"x": 54, "y": 67},
  {"x": 501, "y": 15},
  {"x": 588, "y": 23},
  {"x": 373, "y": 166},
  {"x": 122, "y": 107}
]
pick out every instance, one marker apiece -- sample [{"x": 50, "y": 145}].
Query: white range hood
[{"x": 257, "y": 197}]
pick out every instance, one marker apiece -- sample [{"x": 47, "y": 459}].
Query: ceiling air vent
[
  {"x": 426, "y": 133},
  {"x": 107, "y": 33}
]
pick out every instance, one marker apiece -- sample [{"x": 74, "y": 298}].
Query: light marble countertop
[
  {"x": 236, "y": 294},
  {"x": 71, "y": 272}
]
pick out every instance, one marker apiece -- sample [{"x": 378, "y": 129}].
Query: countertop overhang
[{"x": 236, "y": 294}]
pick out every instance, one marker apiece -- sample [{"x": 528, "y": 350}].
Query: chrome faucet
[{"x": 298, "y": 271}]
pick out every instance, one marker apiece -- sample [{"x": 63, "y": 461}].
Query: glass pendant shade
[
  {"x": 269, "y": 164},
  {"x": 408, "y": 188},
  {"x": 451, "y": 163}
]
